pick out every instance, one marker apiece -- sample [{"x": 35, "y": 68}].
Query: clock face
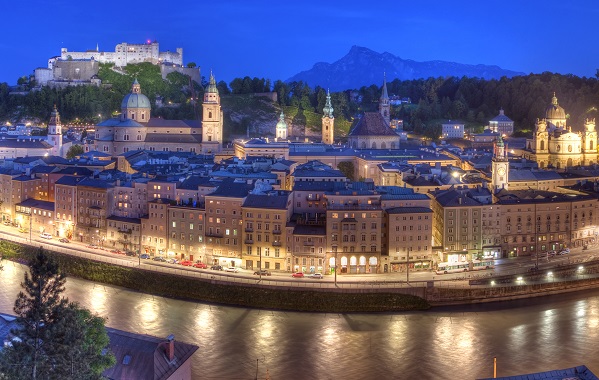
[{"x": 501, "y": 170}]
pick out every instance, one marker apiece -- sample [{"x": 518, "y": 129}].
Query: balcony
[
  {"x": 311, "y": 243},
  {"x": 276, "y": 232},
  {"x": 214, "y": 234},
  {"x": 249, "y": 229},
  {"x": 248, "y": 241},
  {"x": 313, "y": 198},
  {"x": 276, "y": 243}
]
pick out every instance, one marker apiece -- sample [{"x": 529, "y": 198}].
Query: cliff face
[{"x": 364, "y": 67}]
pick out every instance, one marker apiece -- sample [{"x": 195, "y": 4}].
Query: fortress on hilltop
[
  {"x": 74, "y": 68},
  {"x": 125, "y": 53}
]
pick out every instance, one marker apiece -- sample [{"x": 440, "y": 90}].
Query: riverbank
[{"x": 215, "y": 291}]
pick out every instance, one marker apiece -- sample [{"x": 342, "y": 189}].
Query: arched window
[
  {"x": 542, "y": 144},
  {"x": 210, "y": 115},
  {"x": 383, "y": 145},
  {"x": 363, "y": 145},
  {"x": 373, "y": 145},
  {"x": 591, "y": 145}
]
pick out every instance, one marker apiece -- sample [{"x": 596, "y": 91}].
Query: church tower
[
  {"x": 384, "y": 105},
  {"x": 55, "y": 133},
  {"x": 212, "y": 119},
  {"x": 589, "y": 142},
  {"x": 328, "y": 122},
  {"x": 281, "y": 128},
  {"x": 500, "y": 166}
]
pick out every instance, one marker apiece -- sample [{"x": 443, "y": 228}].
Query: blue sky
[{"x": 277, "y": 39}]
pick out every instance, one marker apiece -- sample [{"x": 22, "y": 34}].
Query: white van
[{"x": 45, "y": 235}]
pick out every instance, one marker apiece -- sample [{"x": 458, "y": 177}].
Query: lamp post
[
  {"x": 336, "y": 268},
  {"x": 260, "y": 263},
  {"x": 408, "y": 266}
]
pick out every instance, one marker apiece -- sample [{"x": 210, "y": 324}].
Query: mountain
[{"x": 363, "y": 67}]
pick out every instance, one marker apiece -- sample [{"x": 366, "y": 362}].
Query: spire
[
  {"x": 554, "y": 99},
  {"x": 384, "y": 94},
  {"x": 282, "y": 124},
  {"x": 97, "y": 47},
  {"x": 54, "y": 117},
  {"x": 328, "y": 107},
  {"x": 211, "y": 84},
  {"x": 500, "y": 141}
]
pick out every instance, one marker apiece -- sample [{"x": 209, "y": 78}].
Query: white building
[{"x": 452, "y": 130}]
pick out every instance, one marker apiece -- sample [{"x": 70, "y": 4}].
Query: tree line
[{"x": 473, "y": 100}]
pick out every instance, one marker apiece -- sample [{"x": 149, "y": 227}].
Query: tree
[
  {"x": 191, "y": 65},
  {"x": 55, "y": 339},
  {"x": 347, "y": 168},
  {"x": 74, "y": 151}
]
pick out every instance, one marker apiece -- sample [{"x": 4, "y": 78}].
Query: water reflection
[{"x": 453, "y": 342}]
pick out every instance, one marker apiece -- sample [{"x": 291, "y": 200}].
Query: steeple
[
  {"x": 554, "y": 99},
  {"x": 328, "y": 122},
  {"x": 54, "y": 137},
  {"x": 211, "y": 88},
  {"x": 327, "y": 111},
  {"x": 384, "y": 105},
  {"x": 54, "y": 118},
  {"x": 97, "y": 47},
  {"x": 281, "y": 128},
  {"x": 135, "y": 87}
]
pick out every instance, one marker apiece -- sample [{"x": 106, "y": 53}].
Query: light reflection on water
[{"x": 457, "y": 342}]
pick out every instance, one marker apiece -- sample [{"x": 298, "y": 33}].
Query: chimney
[{"x": 170, "y": 348}]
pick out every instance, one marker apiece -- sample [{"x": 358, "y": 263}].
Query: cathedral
[
  {"x": 134, "y": 129},
  {"x": 554, "y": 145}
]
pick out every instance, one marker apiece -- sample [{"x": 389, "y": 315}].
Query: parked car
[
  {"x": 186, "y": 263},
  {"x": 22, "y": 230},
  {"x": 92, "y": 246},
  {"x": 172, "y": 260},
  {"x": 564, "y": 251},
  {"x": 262, "y": 272},
  {"x": 316, "y": 275},
  {"x": 298, "y": 275},
  {"x": 144, "y": 256},
  {"x": 64, "y": 240},
  {"x": 197, "y": 264},
  {"x": 159, "y": 258},
  {"x": 130, "y": 253},
  {"x": 552, "y": 253},
  {"x": 232, "y": 269},
  {"x": 216, "y": 267},
  {"x": 117, "y": 251},
  {"x": 45, "y": 235}
]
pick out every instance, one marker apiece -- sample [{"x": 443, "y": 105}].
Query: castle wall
[
  {"x": 194, "y": 73},
  {"x": 81, "y": 70}
]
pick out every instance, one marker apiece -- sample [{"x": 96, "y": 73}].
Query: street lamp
[
  {"x": 336, "y": 268},
  {"x": 408, "y": 266}
]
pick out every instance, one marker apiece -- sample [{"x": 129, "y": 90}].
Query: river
[{"x": 444, "y": 343}]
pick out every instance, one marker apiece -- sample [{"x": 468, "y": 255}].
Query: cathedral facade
[
  {"x": 134, "y": 129},
  {"x": 555, "y": 145}
]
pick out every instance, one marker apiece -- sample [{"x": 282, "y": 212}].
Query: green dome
[{"x": 135, "y": 101}]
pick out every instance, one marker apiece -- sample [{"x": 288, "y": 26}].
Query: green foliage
[
  {"x": 56, "y": 339},
  {"x": 347, "y": 168},
  {"x": 74, "y": 151},
  {"x": 191, "y": 65}
]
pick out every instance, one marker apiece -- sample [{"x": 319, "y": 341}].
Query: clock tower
[
  {"x": 500, "y": 166},
  {"x": 212, "y": 119}
]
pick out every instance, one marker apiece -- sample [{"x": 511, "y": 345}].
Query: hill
[{"x": 364, "y": 67}]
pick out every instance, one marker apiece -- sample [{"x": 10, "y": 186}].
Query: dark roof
[
  {"x": 320, "y": 186},
  {"x": 233, "y": 189},
  {"x": 538, "y": 196},
  {"x": 76, "y": 170},
  {"x": 173, "y": 138},
  {"x": 454, "y": 198},
  {"x": 409, "y": 210},
  {"x": 147, "y": 356},
  {"x": 193, "y": 182},
  {"x": 278, "y": 201},
  {"x": 124, "y": 219},
  {"x": 23, "y": 143},
  {"x": 43, "y": 169},
  {"x": 156, "y": 122},
  {"x": 372, "y": 124},
  {"x": 92, "y": 182},
  {"x": 118, "y": 122},
  {"x": 69, "y": 180},
  {"x": 36, "y": 203},
  {"x": 24, "y": 178}
]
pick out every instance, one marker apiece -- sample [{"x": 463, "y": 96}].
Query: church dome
[
  {"x": 282, "y": 124},
  {"x": 554, "y": 111},
  {"x": 135, "y": 99}
]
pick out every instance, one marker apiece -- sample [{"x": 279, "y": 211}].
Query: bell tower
[
  {"x": 500, "y": 166},
  {"x": 384, "y": 104},
  {"x": 55, "y": 133},
  {"x": 212, "y": 119},
  {"x": 328, "y": 122}
]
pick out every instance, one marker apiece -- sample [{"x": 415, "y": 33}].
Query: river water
[{"x": 448, "y": 343}]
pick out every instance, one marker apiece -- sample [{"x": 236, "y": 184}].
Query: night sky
[{"x": 277, "y": 39}]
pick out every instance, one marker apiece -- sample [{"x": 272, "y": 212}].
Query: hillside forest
[{"x": 472, "y": 100}]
